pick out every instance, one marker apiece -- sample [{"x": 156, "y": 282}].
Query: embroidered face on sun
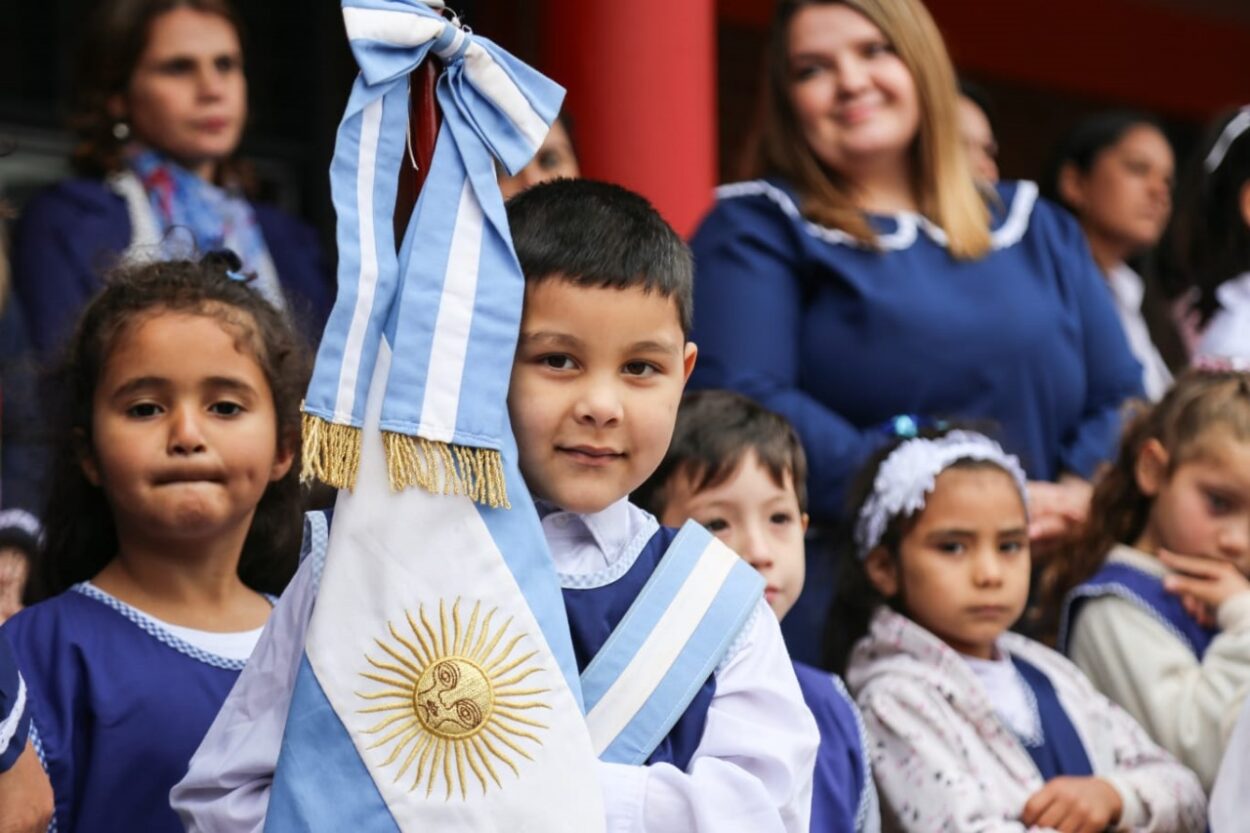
[{"x": 454, "y": 700}]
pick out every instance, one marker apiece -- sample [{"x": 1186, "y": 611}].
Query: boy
[
  {"x": 599, "y": 369},
  {"x": 739, "y": 470}
]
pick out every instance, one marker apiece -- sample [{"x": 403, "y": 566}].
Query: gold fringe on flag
[
  {"x": 331, "y": 453},
  {"x": 445, "y": 469}
]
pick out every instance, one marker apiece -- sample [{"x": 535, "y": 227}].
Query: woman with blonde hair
[{"x": 861, "y": 274}]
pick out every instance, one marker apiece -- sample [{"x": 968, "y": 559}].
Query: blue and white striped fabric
[
  {"x": 430, "y": 301},
  {"x": 438, "y": 688},
  {"x": 670, "y": 641}
]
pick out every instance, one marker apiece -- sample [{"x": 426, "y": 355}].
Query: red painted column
[{"x": 641, "y": 77}]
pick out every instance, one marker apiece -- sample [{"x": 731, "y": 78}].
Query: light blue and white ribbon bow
[
  {"x": 451, "y": 298},
  {"x": 438, "y": 688}
]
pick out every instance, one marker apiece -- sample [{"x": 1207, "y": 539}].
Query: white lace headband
[
  {"x": 1232, "y": 131},
  {"x": 908, "y": 474}
]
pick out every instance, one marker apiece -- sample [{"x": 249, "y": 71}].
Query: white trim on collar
[{"x": 1008, "y": 234}]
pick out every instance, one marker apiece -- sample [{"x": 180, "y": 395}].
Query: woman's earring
[{"x": 121, "y": 131}]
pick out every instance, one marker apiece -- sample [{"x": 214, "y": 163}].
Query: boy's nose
[
  {"x": 598, "y": 404},
  {"x": 754, "y": 549}
]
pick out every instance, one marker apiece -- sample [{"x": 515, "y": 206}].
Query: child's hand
[
  {"x": 1074, "y": 805},
  {"x": 1203, "y": 582}
]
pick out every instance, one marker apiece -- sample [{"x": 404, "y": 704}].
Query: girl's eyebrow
[{"x": 139, "y": 384}]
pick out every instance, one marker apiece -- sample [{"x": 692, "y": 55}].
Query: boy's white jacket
[{"x": 943, "y": 760}]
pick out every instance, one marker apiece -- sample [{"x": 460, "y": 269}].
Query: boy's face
[
  {"x": 756, "y": 517},
  {"x": 596, "y": 382}
]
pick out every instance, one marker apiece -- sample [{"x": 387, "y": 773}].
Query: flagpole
[{"x": 423, "y": 123}]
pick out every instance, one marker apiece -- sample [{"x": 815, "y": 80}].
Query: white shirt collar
[{"x": 596, "y": 548}]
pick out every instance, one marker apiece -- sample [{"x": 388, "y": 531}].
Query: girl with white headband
[
  {"x": 1210, "y": 240},
  {"x": 974, "y": 727}
]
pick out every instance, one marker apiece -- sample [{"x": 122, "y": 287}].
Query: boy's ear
[
  {"x": 882, "y": 571},
  {"x": 806, "y": 521},
  {"x": 1151, "y": 468},
  {"x": 1243, "y": 200},
  {"x": 688, "y": 360}
]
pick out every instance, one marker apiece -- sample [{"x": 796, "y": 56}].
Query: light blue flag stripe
[
  {"x": 639, "y": 621},
  {"x": 533, "y": 568},
  {"x": 331, "y": 790},
  {"x": 739, "y": 596}
]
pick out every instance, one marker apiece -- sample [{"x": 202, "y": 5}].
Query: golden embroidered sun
[{"x": 455, "y": 699}]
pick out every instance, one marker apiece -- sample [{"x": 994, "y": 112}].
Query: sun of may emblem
[{"x": 456, "y": 699}]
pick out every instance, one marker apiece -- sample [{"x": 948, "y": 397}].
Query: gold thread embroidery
[{"x": 449, "y": 694}]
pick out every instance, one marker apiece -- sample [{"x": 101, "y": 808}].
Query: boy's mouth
[{"x": 590, "y": 455}]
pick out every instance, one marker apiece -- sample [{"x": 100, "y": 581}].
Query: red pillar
[{"x": 641, "y": 77}]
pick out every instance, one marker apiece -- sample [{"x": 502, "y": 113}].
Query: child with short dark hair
[
  {"x": 739, "y": 470},
  {"x": 596, "y": 380},
  {"x": 174, "y": 520}
]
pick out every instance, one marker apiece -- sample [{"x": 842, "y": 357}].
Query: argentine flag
[{"x": 438, "y": 688}]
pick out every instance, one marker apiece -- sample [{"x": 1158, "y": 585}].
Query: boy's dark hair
[
  {"x": 857, "y": 599},
  {"x": 600, "y": 235},
  {"x": 81, "y": 535},
  {"x": 715, "y": 429},
  {"x": 1199, "y": 401}
]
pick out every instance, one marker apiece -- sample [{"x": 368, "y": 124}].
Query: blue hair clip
[
  {"x": 237, "y": 276},
  {"x": 909, "y": 426}
]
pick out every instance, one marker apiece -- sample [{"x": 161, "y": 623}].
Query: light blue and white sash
[
  {"x": 438, "y": 688},
  {"x": 669, "y": 642},
  {"x": 450, "y": 301}
]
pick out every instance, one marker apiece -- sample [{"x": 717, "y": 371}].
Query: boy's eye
[
  {"x": 1218, "y": 503},
  {"x": 143, "y": 410},
  {"x": 1011, "y": 547},
  {"x": 781, "y": 518},
  {"x": 716, "y": 524},
  {"x": 640, "y": 369},
  {"x": 558, "y": 361},
  {"x": 226, "y": 408}
]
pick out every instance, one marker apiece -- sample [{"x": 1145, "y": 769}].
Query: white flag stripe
[
  {"x": 454, "y": 322},
  {"x": 396, "y": 28},
  {"x": 622, "y": 701},
  {"x": 367, "y": 284},
  {"x": 487, "y": 76}
]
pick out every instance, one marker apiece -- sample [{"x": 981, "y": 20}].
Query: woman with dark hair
[
  {"x": 159, "y": 110},
  {"x": 1114, "y": 171},
  {"x": 863, "y": 274}
]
